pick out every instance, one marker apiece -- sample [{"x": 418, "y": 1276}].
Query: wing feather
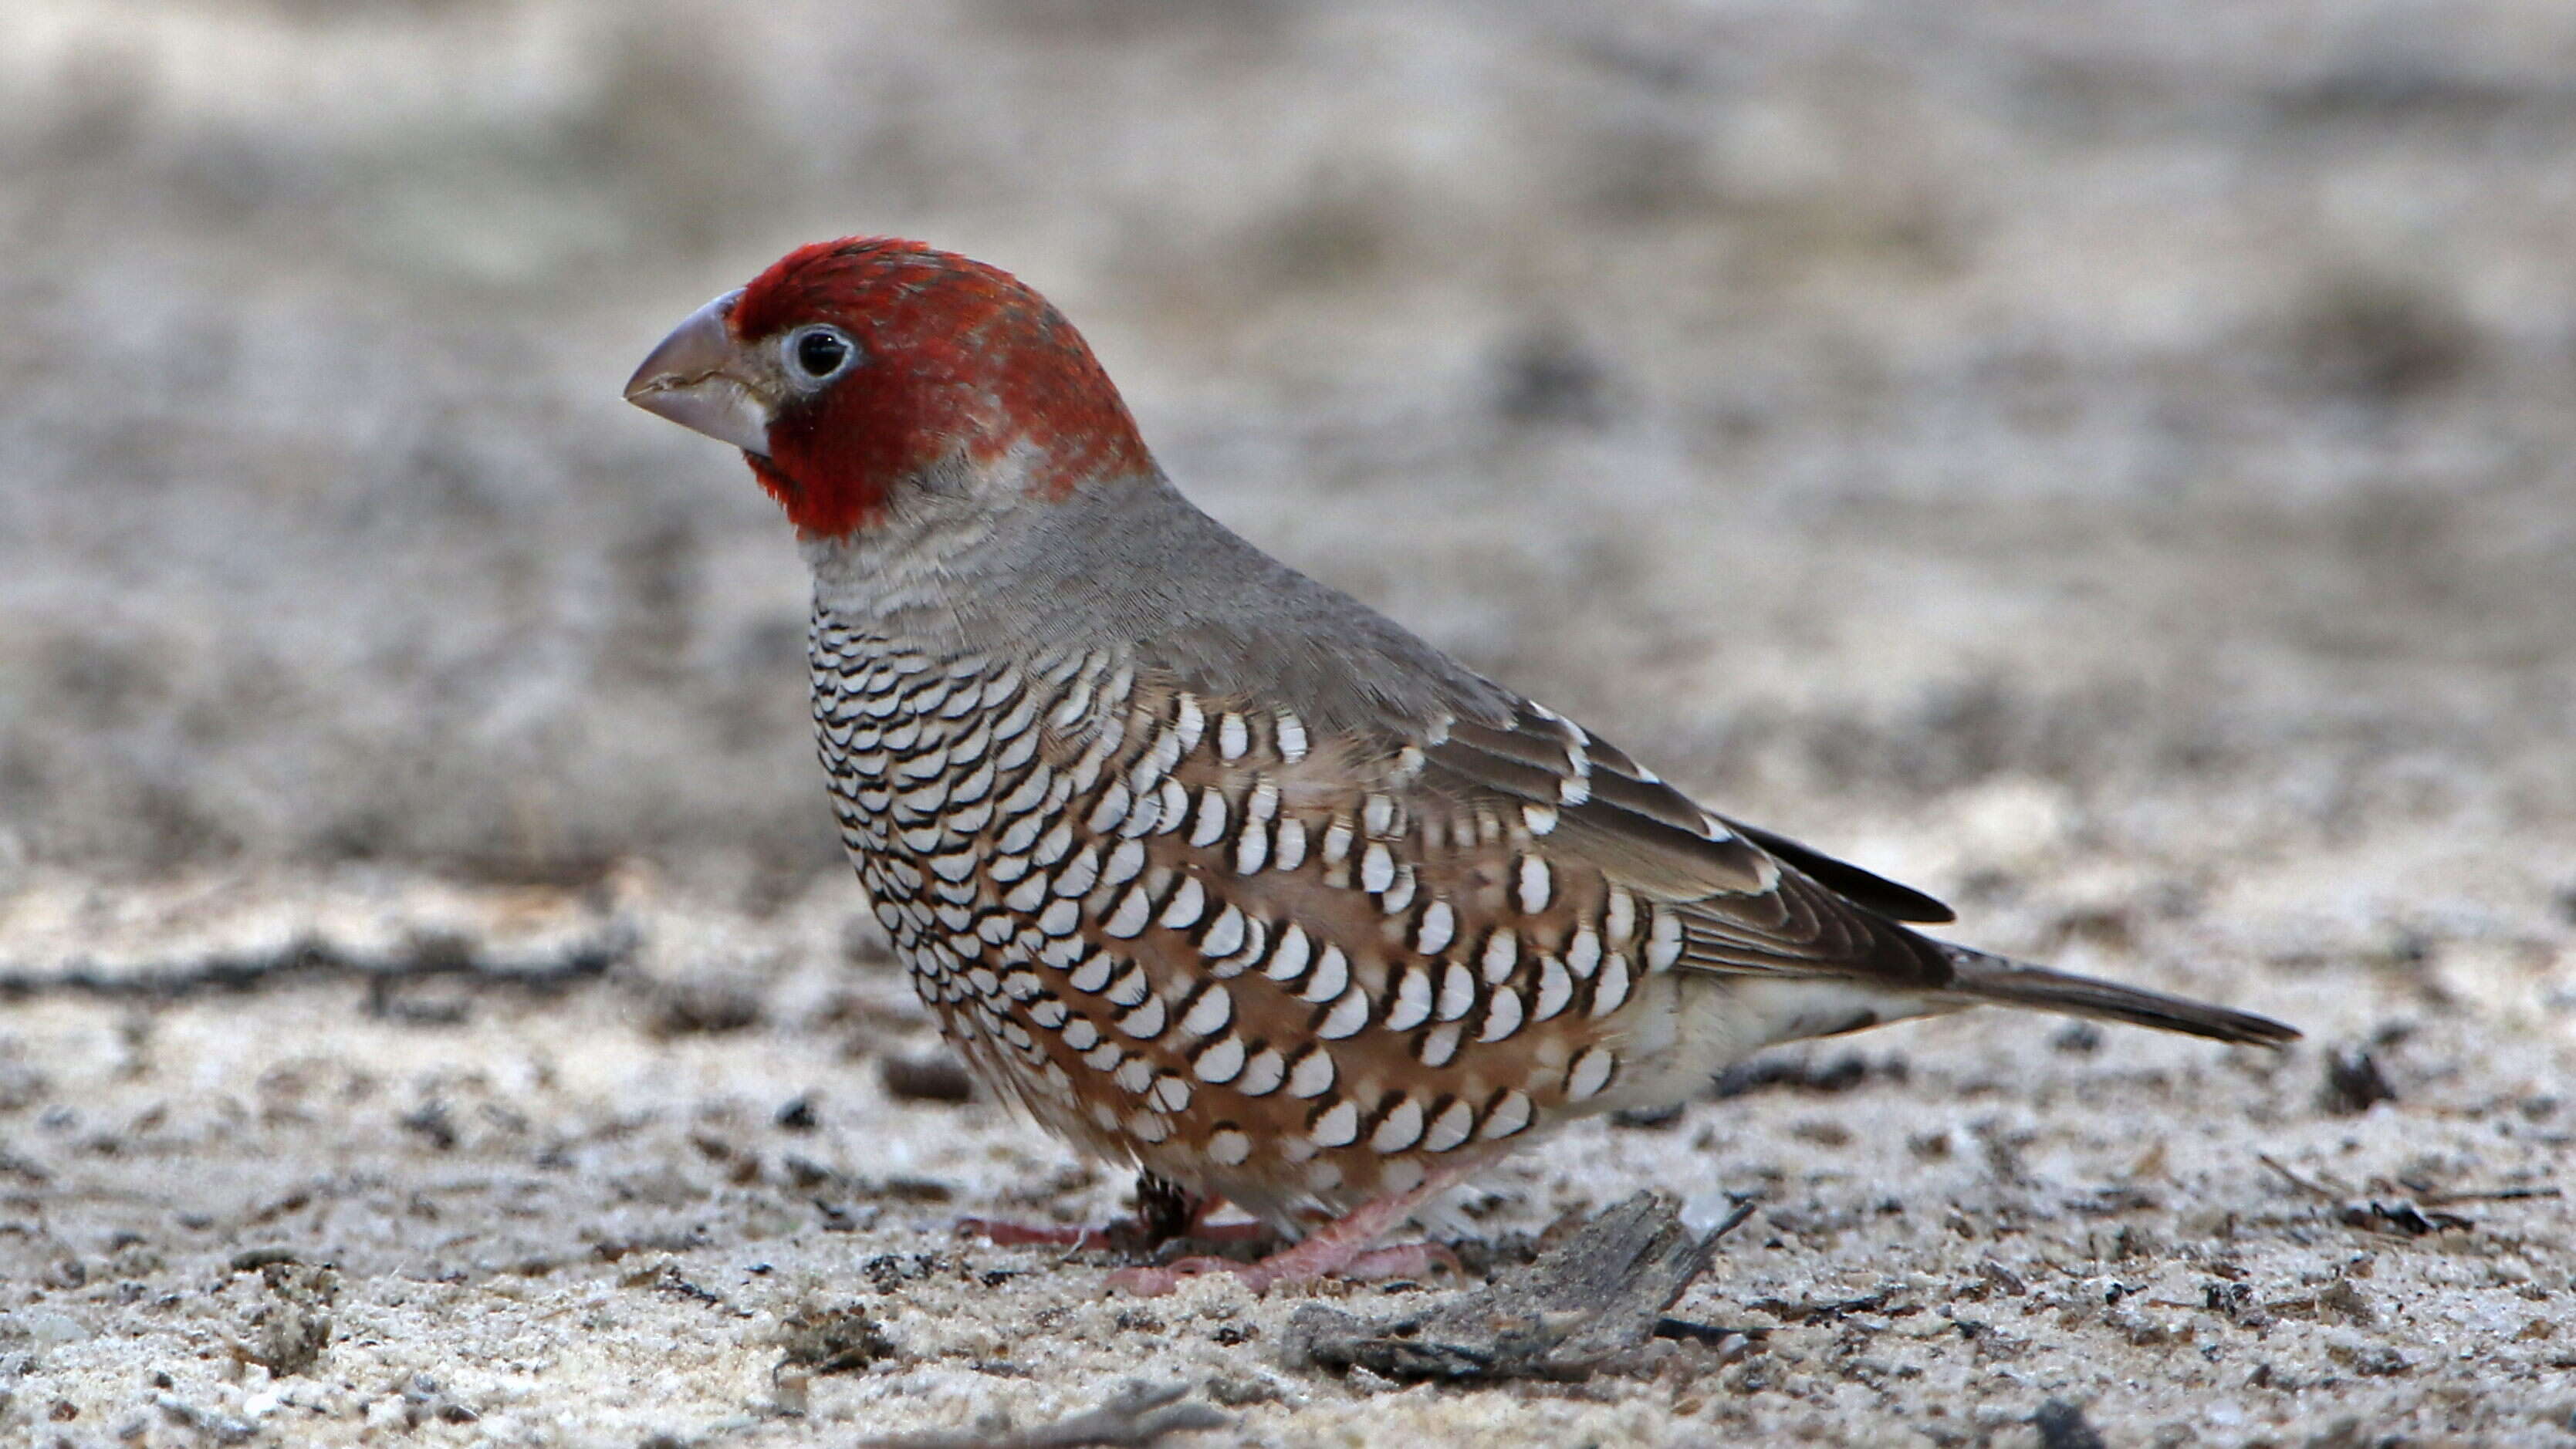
[{"x": 1749, "y": 901}]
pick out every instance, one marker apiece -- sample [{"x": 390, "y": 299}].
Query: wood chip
[{"x": 1598, "y": 1294}]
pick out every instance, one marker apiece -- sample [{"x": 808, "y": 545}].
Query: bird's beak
[{"x": 699, "y": 379}]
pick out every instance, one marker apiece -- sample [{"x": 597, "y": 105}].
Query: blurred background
[
  {"x": 2112, "y": 465},
  {"x": 2145, "y": 427}
]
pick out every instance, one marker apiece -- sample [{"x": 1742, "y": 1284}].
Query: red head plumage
[{"x": 953, "y": 358}]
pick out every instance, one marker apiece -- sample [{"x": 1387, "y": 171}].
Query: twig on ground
[
  {"x": 1599, "y": 1294},
  {"x": 2305, "y": 1185}
]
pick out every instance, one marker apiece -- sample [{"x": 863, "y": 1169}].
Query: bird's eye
[{"x": 819, "y": 352}]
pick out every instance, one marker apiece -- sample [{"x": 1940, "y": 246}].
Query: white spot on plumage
[
  {"x": 977, "y": 784},
  {"x": 1583, "y": 953},
  {"x": 1207, "y": 827},
  {"x": 1611, "y": 989},
  {"x": 1412, "y": 1004},
  {"x": 1111, "y": 809},
  {"x": 1313, "y": 1074},
  {"x": 1377, "y": 814},
  {"x": 1130, "y": 989},
  {"x": 1377, "y": 869},
  {"x": 1018, "y": 751},
  {"x": 1263, "y": 1074},
  {"x": 1228, "y": 1147},
  {"x": 1188, "y": 903},
  {"x": 1440, "y": 1044},
  {"x": 1589, "y": 1074},
  {"x": 1509, "y": 1114},
  {"x": 1332, "y": 973},
  {"x": 1146, "y": 1022},
  {"x": 1399, "y": 1129},
  {"x": 1502, "y": 1015},
  {"x": 1263, "y": 803},
  {"x": 1156, "y": 762},
  {"x": 1210, "y": 1011},
  {"x": 1019, "y": 835},
  {"x": 1093, "y": 974},
  {"x": 1457, "y": 991},
  {"x": 1014, "y": 723},
  {"x": 1126, "y": 859},
  {"x": 1336, "y": 1126},
  {"x": 1053, "y": 845},
  {"x": 1292, "y": 737},
  {"x": 1289, "y": 957},
  {"x": 1438, "y": 927},
  {"x": 1664, "y": 941},
  {"x": 1345, "y": 1017},
  {"x": 1555, "y": 988},
  {"x": 1143, "y": 815},
  {"x": 1537, "y": 886},
  {"x": 1062, "y": 917},
  {"x": 1256, "y": 942},
  {"x": 1289, "y": 851},
  {"x": 1076, "y": 704},
  {"x": 1220, "y": 1062},
  {"x": 1224, "y": 934},
  {"x": 1077, "y": 876},
  {"x": 1619, "y": 918},
  {"x": 1451, "y": 1126},
  {"x": 1134, "y": 909}
]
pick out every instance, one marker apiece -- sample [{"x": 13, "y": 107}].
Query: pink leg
[
  {"x": 1003, "y": 1232},
  {"x": 1163, "y": 1211},
  {"x": 1344, "y": 1246},
  {"x": 1402, "y": 1260}
]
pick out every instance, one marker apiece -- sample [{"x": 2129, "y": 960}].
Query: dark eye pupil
[{"x": 820, "y": 353}]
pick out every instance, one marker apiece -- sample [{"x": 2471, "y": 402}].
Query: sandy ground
[{"x": 2110, "y": 466}]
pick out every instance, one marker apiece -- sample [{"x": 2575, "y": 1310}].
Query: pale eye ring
[{"x": 818, "y": 353}]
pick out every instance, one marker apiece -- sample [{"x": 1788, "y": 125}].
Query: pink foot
[
  {"x": 1342, "y": 1247},
  {"x": 1403, "y": 1260},
  {"x": 1164, "y": 1211},
  {"x": 1005, "y": 1233}
]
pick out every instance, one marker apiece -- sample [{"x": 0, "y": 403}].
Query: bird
[{"x": 1210, "y": 868}]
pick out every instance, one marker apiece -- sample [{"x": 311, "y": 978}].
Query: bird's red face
[{"x": 853, "y": 369}]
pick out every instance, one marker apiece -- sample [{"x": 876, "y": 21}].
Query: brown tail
[{"x": 1996, "y": 981}]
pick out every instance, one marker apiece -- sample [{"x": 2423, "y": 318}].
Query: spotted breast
[{"x": 1186, "y": 932}]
